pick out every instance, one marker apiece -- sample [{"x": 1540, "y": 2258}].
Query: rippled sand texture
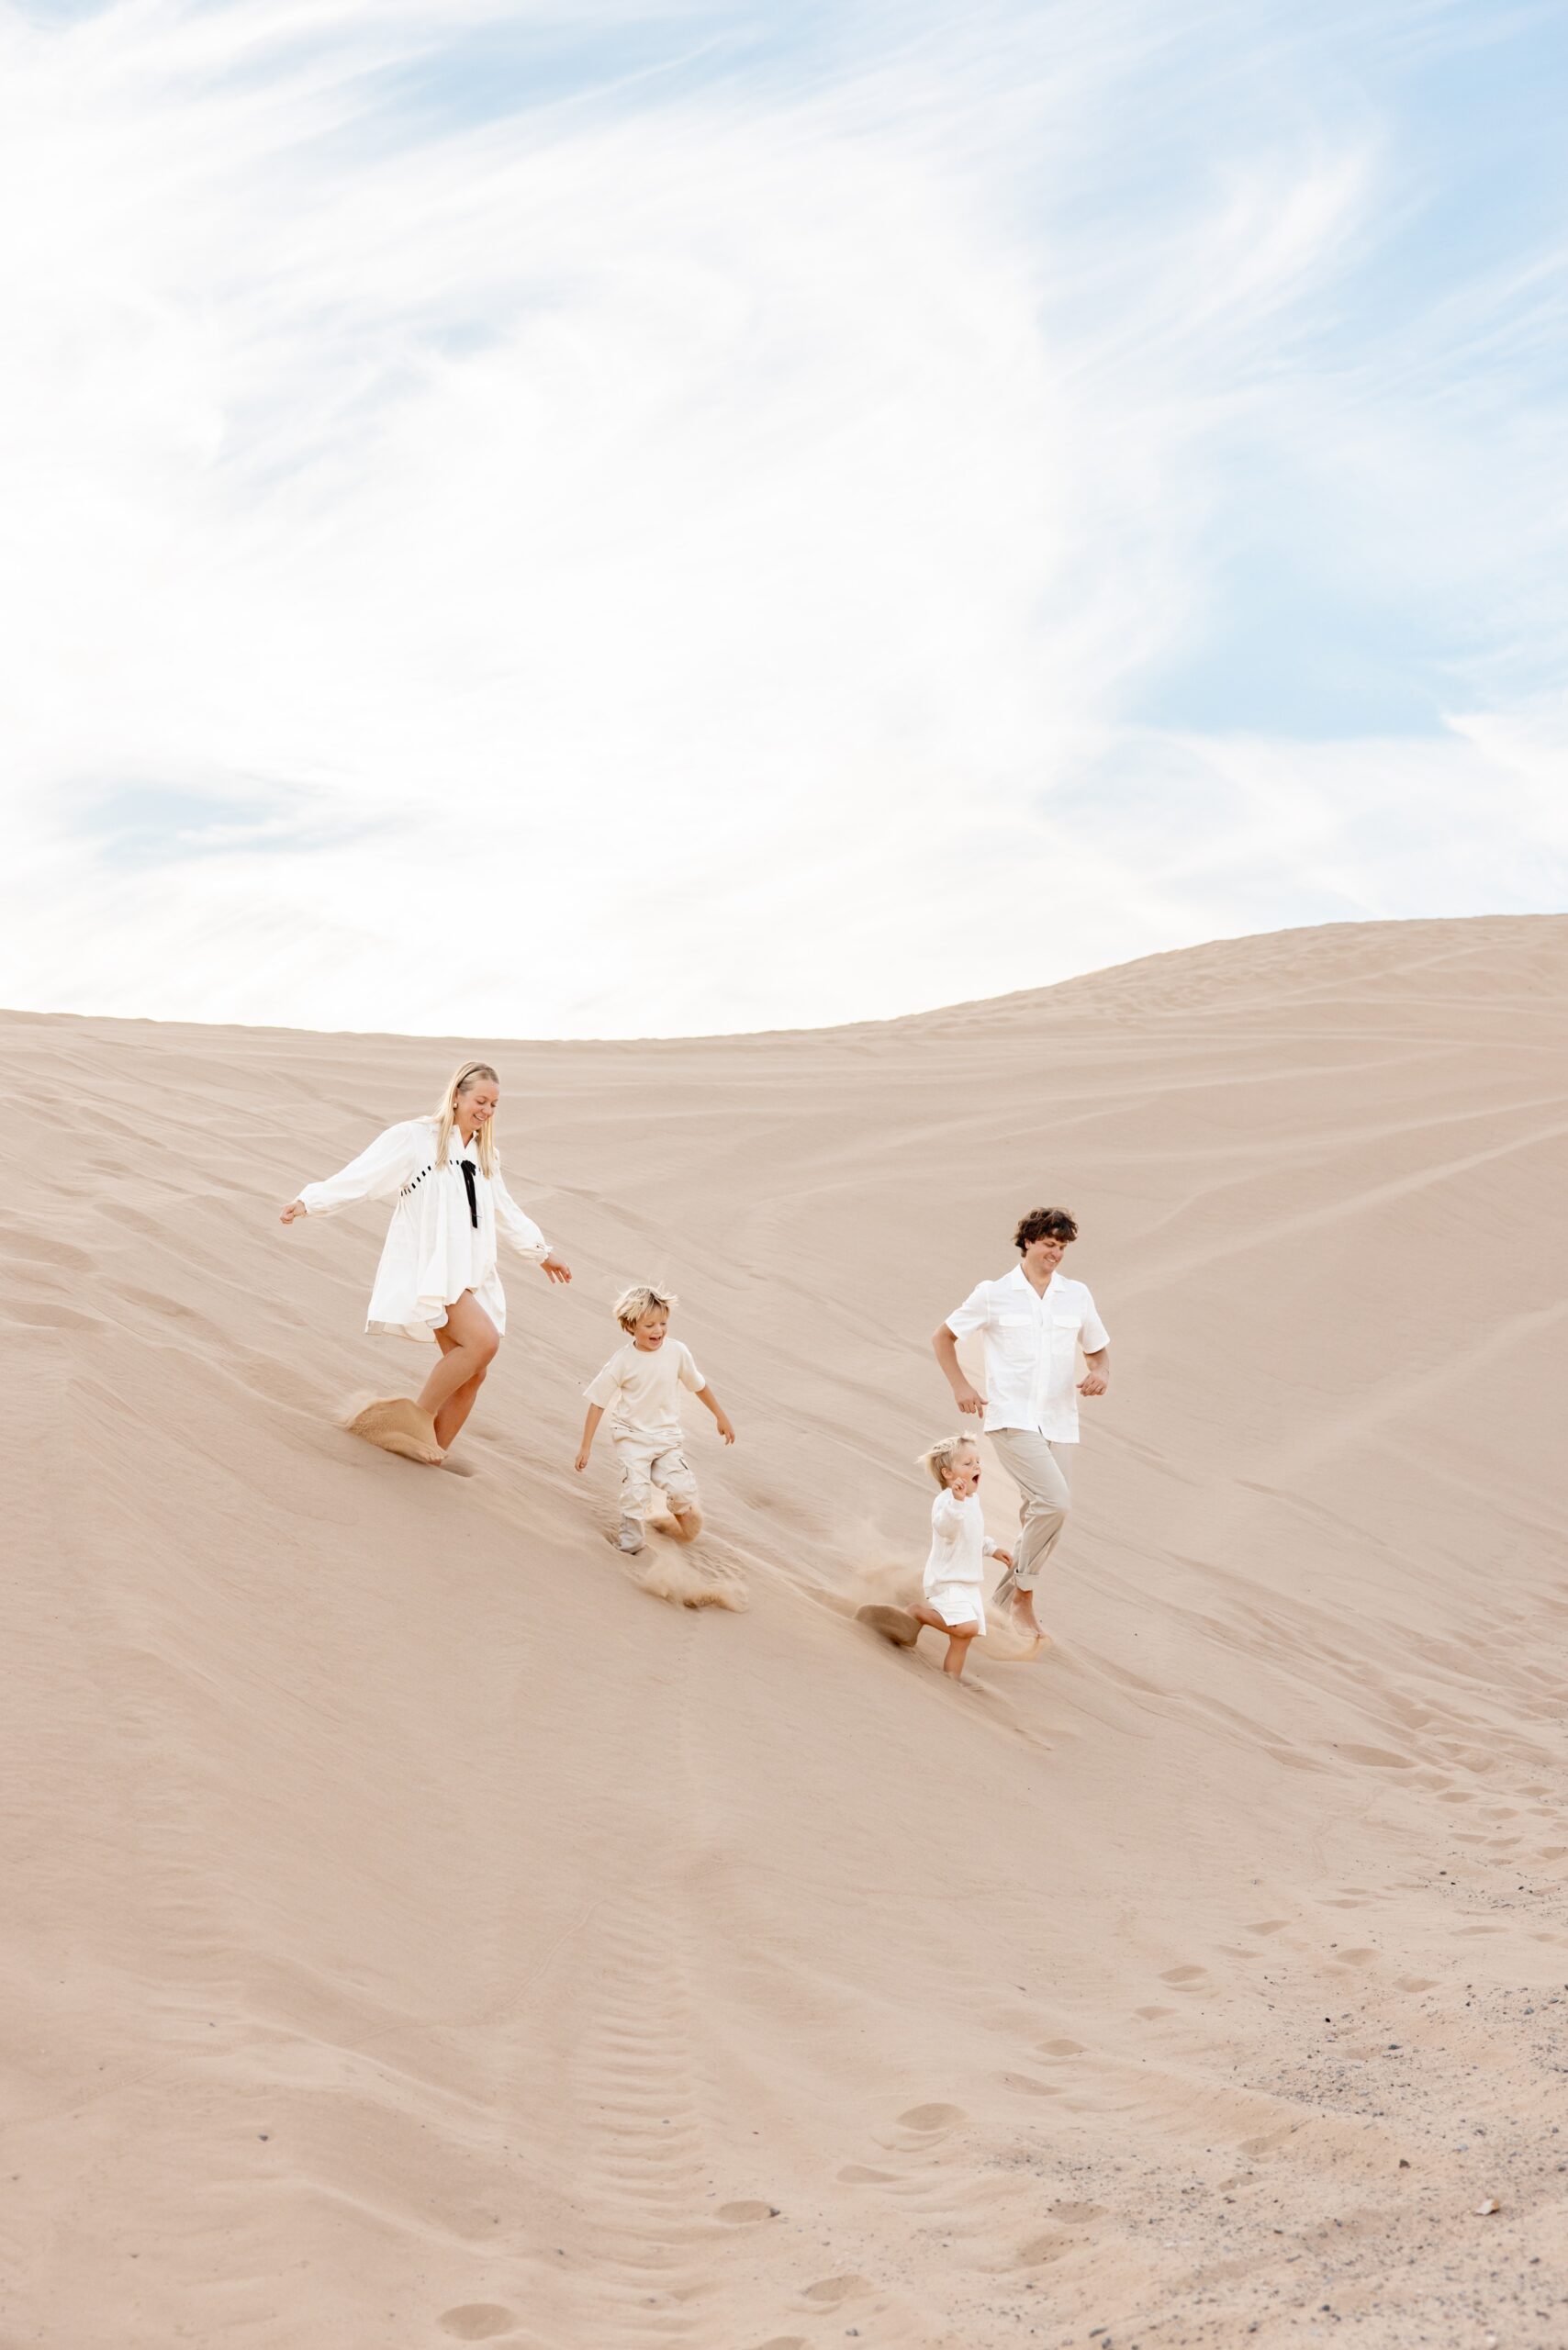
[{"x": 420, "y": 1928}]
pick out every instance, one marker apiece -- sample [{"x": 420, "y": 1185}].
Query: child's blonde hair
[
  {"x": 940, "y": 1457},
  {"x": 640, "y": 1299}
]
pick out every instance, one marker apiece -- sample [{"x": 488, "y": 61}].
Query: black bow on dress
[{"x": 467, "y": 1166}]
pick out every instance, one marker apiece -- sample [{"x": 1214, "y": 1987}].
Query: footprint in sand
[
  {"x": 783, "y": 2342},
  {"x": 1377, "y": 1758},
  {"x": 832, "y": 2290},
  {"x": 862, "y": 2175},
  {"x": 1416, "y": 1983},
  {"x": 744, "y": 2215},
  {"x": 1182, "y": 1975},
  {"x": 38, "y": 1314},
  {"x": 1078, "y": 2215},
  {"x": 1152, "y": 2015},
  {"x": 1063, "y": 2047},
  {"x": 1027, "y": 2085},
  {"x": 1044, "y": 2248},
  {"x": 1269, "y": 1926},
  {"x": 927, "y": 2118},
  {"x": 479, "y": 2322}
]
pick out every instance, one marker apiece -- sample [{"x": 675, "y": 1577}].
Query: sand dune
[{"x": 417, "y": 1933}]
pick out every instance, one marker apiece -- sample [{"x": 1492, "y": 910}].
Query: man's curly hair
[{"x": 1045, "y": 1224}]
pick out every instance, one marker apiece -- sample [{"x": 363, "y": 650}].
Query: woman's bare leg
[
  {"x": 455, "y": 1410},
  {"x": 471, "y": 1340}
]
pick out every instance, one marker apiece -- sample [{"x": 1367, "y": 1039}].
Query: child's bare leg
[
  {"x": 958, "y": 1641},
  {"x": 468, "y": 1340}
]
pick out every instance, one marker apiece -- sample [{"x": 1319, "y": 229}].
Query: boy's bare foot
[
  {"x": 396, "y": 1423},
  {"x": 686, "y": 1524},
  {"x": 895, "y": 1624}
]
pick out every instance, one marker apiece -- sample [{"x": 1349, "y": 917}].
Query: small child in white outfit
[
  {"x": 639, "y": 1387},
  {"x": 953, "y": 1586}
]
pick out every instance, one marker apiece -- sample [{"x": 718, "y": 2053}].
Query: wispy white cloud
[{"x": 695, "y": 547}]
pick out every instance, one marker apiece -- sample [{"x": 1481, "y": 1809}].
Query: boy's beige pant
[
  {"x": 647, "y": 1462},
  {"x": 1034, "y": 1463}
]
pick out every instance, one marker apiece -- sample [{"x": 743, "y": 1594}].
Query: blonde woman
[{"x": 437, "y": 1276}]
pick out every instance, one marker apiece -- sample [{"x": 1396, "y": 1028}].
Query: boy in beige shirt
[{"x": 639, "y": 1387}]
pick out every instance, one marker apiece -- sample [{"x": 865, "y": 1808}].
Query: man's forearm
[{"x": 945, "y": 1348}]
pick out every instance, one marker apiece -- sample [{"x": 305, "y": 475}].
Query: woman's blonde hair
[
  {"x": 465, "y": 1075},
  {"x": 940, "y": 1457},
  {"x": 640, "y": 1299}
]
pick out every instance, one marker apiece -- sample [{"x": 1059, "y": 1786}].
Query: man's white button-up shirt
[{"x": 1031, "y": 1349}]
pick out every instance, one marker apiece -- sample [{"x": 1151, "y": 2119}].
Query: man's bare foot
[
  {"x": 895, "y": 1624},
  {"x": 396, "y": 1423}
]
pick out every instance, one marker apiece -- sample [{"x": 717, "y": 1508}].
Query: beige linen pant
[
  {"x": 650, "y": 1460},
  {"x": 1034, "y": 1463}
]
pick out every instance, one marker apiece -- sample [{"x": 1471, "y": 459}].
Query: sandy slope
[{"x": 416, "y": 1933}]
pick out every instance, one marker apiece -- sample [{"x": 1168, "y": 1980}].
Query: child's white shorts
[
  {"x": 958, "y": 1603},
  {"x": 647, "y": 1462}
]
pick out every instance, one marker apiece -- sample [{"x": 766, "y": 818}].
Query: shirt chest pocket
[
  {"x": 1016, "y": 1336},
  {"x": 1064, "y": 1336}
]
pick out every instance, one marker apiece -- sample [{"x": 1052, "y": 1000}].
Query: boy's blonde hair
[
  {"x": 640, "y": 1299},
  {"x": 940, "y": 1457}
]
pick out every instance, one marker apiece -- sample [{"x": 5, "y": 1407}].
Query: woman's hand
[
  {"x": 295, "y": 1208},
  {"x": 1005, "y": 1557},
  {"x": 552, "y": 1270}
]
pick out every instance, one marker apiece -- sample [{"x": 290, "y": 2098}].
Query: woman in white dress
[{"x": 437, "y": 1276}]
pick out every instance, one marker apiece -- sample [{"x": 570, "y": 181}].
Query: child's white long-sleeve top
[
  {"x": 641, "y": 1389},
  {"x": 443, "y": 1235},
  {"x": 959, "y": 1543}
]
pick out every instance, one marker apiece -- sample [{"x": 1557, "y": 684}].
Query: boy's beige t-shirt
[{"x": 642, "y": 1392}]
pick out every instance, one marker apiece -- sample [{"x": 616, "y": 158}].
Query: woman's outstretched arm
[{"x": 379, "y": 1173}]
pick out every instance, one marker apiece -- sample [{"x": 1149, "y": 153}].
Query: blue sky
[{"x": 577, "y": 518}]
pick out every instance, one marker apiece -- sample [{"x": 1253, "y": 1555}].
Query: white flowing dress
[{"x": 434, "y": 1251}]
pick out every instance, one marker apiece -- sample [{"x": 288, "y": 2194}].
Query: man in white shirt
[{"x": 1035, "y": 1320}]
